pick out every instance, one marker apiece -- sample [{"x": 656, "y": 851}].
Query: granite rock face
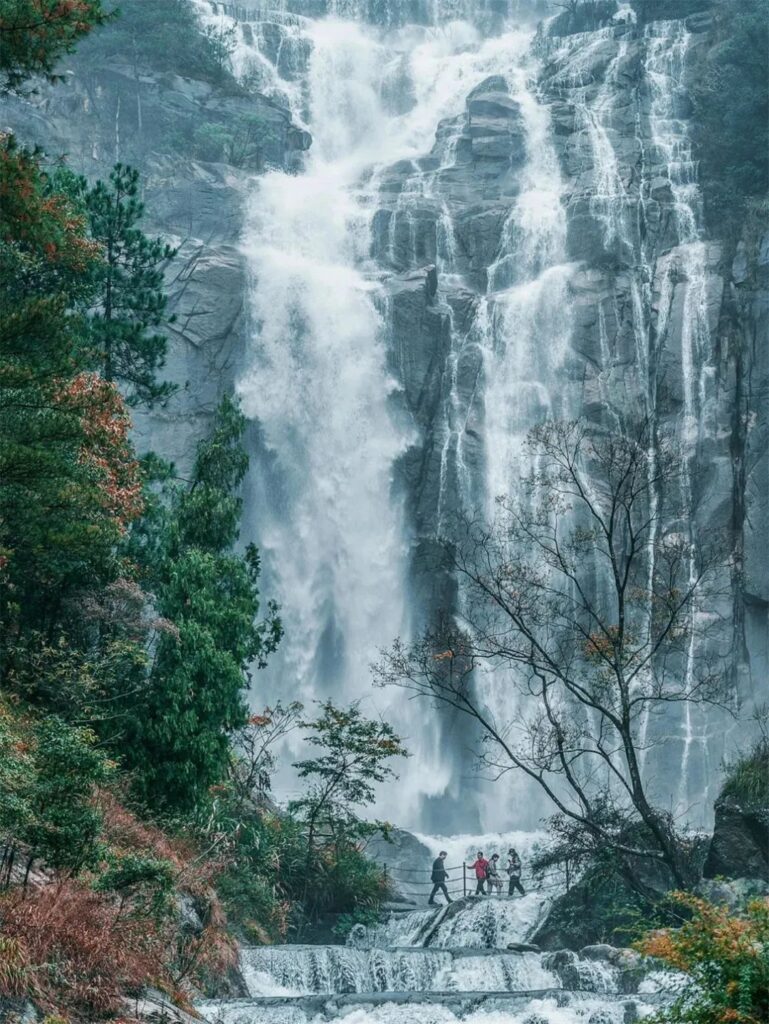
[{"x": 665, "y": 317}]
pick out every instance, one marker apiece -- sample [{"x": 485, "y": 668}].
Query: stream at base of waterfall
[{"x": 466, "y": 961}]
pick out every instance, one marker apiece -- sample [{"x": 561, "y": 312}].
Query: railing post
[{"x": 464, "y": 879}]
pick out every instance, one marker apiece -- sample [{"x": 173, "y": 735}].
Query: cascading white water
[
  {"x": 332, "y": 534},
  {"x": 324, "y": 381},
  {"x": 309, "y": 970},
  {"x": 666, "y": 48}
]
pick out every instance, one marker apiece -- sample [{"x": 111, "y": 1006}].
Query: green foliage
[
  {"x": 143, "y": 882},
  {"x": 727, "y": 958},
  {"x": 65, "y": 826},
  {"x": 270, "y": 888},
  {"x": 175, "y": 734},
  {"x": 747, "y": 778},
  {"x": 239, "y": 142},
  {"x": 35, "y": 33},
  {"x": 730, "y": 96},
  {"x": 47, "y": 783},
  {"x": 68, "y": 484},
  {"x": 356, "y": 752},
  {"x": 129, "y": 299},
  {"x": 164, "y": 35},
  {"x": 346, "y": 922}
]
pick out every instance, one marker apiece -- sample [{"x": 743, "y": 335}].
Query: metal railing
[{"x": 455, "y": 886}]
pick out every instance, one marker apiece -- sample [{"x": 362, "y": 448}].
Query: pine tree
[
  {"x": 35, "y": 33},
  {"x": 68, "y": 480},
  {"x": 131, "y": 300}
]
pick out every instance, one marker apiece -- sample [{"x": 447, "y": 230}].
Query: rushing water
[
  {"x": 358, "y": 463},
  {"x": 405, "y": 971}
]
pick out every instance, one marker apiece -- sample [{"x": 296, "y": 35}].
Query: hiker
[
  {"x": 439, "y": 878},
  {"x": 492, "y": 873},
  {"x": 514, "y": 873},
  {"x": 481, "y": 868}
]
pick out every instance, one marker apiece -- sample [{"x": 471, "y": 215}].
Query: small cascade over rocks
[
  {"x": 313, "y": 970},
  {"x": 492, "y": 923},
  {"x": 467, "y": 961}
]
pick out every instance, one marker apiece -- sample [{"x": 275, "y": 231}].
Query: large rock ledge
[{"x": 740, "y": 844}]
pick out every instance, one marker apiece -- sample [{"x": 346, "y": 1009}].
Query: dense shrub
[
  {"x": 727, "y": 958},
  {"x": 67, "y": 947},
  {"x": 271, "y": 889},
  {"x": 747, "y": 778},
  {"x": 164, "y": 35}
]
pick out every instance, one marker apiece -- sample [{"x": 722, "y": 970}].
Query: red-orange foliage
[
  {"x": 106, "y": 446},
  {"x": 77, "y": 957},
  {"x": 45, "y": 224},
  {"x": 727, "y": 957},
  {"x": 76, "y": 952}
]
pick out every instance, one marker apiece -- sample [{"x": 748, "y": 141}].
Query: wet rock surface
[{"x": 740, "y": 844}]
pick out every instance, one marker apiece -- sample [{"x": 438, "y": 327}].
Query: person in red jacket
[{"x": 481, "y": 868}]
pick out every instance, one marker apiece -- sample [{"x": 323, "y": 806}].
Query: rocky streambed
[{"x": 426, "y": 984}]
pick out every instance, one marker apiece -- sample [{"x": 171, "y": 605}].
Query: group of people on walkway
[{"x": 487, "y": 874}]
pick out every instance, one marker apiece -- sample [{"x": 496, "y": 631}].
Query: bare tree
[
  {"x": 252, "y": 761},
  {"x": 588, "y": 600}
]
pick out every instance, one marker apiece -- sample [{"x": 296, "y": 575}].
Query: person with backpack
[
  {"x": 514, "y": 873},
  {"x": 439, "y": 878},
  {"x": 481, "y": 868}
]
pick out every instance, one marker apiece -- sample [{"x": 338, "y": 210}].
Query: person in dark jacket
[
  {"x": 439, "y": 878},
  {"x": 514, "y": 873}
]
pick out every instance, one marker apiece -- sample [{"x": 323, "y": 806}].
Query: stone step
[{"x": 329, "y": 1007}]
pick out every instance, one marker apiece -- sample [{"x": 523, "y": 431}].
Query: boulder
[
  {"x": 740, "y": 844},
  {"x": 17, "y": 1011},
  {"x": 153, "y": 1006},
  {"x": 733, "y": 894}
]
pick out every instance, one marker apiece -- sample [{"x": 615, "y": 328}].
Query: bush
[
  {"x": 48, "y": 775},
  {"x": 747, "y": 778},
  {"x": 65, "y": 946},
  {"x": 727, "y": 959},
  {"x": 730, "y": 96},
  {"x": 163, "y": 35}
]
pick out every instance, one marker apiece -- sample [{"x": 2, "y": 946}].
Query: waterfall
[
  {"x": 491, "y": 228},
  {"x": 320, "y": 383}
]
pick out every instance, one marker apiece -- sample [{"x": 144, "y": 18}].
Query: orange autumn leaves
[
  {"x": 36, "y": 220},
  {"x": 726, "y": 955},
  {"x": 106, "y": 447}
]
